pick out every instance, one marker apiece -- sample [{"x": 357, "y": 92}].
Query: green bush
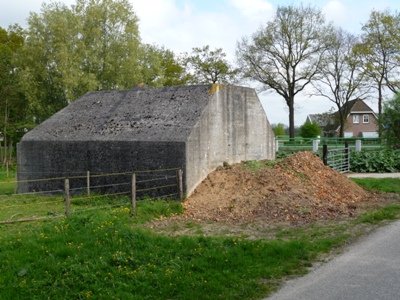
[
  {"x": 279, "y": 130},
  {"x": 375, "y": 161},
  {"x": 389, "y": 122},
  {"x": 310, "y": 130}
]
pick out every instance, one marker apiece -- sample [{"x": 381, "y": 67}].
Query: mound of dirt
[{"x": 298, "y": 189}]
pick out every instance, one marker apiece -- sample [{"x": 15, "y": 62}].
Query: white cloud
[
  {"x": 158, "y": 14},
  {"x": 17, "y": 11},
  {"x": 257, "y": 10},
  {"x": 181, "y": 29},
  {"x": 335, "y": 11}
]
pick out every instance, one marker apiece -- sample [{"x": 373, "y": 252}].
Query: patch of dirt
[{"x": 297, "y": 190}]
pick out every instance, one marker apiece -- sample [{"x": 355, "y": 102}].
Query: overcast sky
[{"x": 180, "y": 25}]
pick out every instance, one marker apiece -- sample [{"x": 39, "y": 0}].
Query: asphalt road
[{"x": 369, "y": 269}]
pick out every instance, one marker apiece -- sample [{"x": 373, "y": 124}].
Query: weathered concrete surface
[
  {"x": 195, "y": 128},
  {"x": 232, "y": 128},
  {"x": 141, "y": 114}
]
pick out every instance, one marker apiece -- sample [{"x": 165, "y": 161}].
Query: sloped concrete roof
[{"x": 140, "y": 114}]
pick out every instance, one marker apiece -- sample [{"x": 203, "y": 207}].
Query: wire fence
[{"x": 28, "y": 200}]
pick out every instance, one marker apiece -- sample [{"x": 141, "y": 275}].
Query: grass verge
[
  {"x": 107, "y": 254},
  {"x": 389, "y": 185},
  {"x": 103, "y": 255}
]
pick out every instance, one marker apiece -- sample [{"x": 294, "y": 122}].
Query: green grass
[
  {"x": 108, "y": 254},
  {"x": 390, "y": 185},
  {"x": 7, "y": 181},
  {"x": 257, "y": 165},
  {"x": 102, "y": 255},
  {"x": 390, "y": 212}
]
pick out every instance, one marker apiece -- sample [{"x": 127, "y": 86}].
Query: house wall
[
  {"x": 358, "y": 128},
  {"x": 52, "y": 159},
  {"x": 232, "y": 128}
]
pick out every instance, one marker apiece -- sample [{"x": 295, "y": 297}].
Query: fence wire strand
[{"x": 143, "y": 184}]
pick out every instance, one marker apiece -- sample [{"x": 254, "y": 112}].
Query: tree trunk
[
  {"x": 341, "y": 131},
  {"x": 290, "y": 103},
  {"x": 10, "y": 150},
  {"x": 379, "y": 100},
  {"x": 4, "y": 158}
]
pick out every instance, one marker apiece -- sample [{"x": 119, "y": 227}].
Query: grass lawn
[
  {"x": 389, "y": 185},
  {"x": 108, "y": 254}
]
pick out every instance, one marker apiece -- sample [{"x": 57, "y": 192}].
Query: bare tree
[
  {"x": 340, "y": 76},
  {"x": 285, "y": 55},
  {"x": 380, "y": 51}
]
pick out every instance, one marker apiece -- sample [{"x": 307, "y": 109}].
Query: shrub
[
  {"x": 279, "y": 129},
  {"x": 389, "y": 122},
  {"x": 310, "y": 130},
  {"x": 375, "y": 161}
]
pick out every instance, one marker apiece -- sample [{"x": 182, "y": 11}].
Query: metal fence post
[{"x": 325, "y": 154}]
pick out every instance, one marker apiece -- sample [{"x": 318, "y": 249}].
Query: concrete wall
[
  {"x": 232, "y": 128},
  {"x": 44, "y": 159},
  {"x": 196, "y": 128}
]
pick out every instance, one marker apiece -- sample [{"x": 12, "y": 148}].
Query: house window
[
  {"x": 356, "y": 119},
  {"x": 365, "y": 118}
]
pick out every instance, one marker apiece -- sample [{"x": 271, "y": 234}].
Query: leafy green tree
[
  {"x": 310, "y": 130},
  {"x": 161, "y": 67},
  {"x": 173, "y": 69},
  {"x": 340, "y": 75},
  {"x": 285, "y": 55},
  {"x": 389, "y": 122},
  {"x": 380, "y": 50},
  {"x": 13, "y": 108},
  {"x": 206, "y": 66},
  {"x": 94, "y": 45},
  {"x": 279, "y": 129}
]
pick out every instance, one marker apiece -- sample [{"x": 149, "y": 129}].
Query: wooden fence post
[
  {"x": 133, "y": 199},
  {"x": 88, "y": 182},
  {"x": 180, "y": 184},
  {"x": 16, "y": 183},
  {"x": 325, "y": 154},
  {"x": 67, "y": 198}
]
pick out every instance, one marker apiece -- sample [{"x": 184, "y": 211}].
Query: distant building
[{"x": 361, "y": 121}]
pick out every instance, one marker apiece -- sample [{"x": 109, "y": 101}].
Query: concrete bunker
[{"x": 194, "y": 128}]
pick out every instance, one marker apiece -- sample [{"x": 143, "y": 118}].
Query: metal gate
[{"x": 337, "y": 159}]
